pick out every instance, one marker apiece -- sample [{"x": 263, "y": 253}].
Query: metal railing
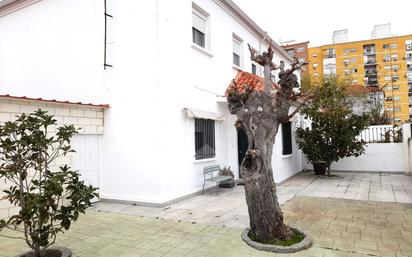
[{"x": 381, "y": 134}]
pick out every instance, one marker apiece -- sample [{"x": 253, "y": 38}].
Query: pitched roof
[
  {"x": 360, "y": 89},
  {"x": 9, "y": 6},
  {"x": 10, "y": 97}
]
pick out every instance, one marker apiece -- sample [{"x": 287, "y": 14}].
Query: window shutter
[
  {"x": 236, "y": 47},
  {"x": 198, "y": 22}
]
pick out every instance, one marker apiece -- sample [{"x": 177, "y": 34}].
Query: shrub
[{"x": 26, "y": 152}]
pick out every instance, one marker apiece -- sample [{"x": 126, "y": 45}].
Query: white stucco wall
[
  {"x": 380, "y": 157},
  {"x": 54, "y": 49}
]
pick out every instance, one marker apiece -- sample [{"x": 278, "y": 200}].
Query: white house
[{"x": 160, "y": 65}]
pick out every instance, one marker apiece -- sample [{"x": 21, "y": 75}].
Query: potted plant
[
  {"x": 334, "y": 127},
  {"x": 226, "y": 171},
  {"x": 48, "y": 200}
]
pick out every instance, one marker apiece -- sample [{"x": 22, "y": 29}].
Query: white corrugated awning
[{"x": 202, "y": 114}]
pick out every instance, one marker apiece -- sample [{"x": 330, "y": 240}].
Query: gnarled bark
[{"x": 259, "y": 114}]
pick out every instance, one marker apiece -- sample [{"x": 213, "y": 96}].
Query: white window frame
[
  {"x": 207, "y": 31},
  {"x": 238, "y": 40}
]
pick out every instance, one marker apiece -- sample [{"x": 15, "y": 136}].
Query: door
[
  {"x": 242, "y": 145},
  {"x": 86, "y": 158}
]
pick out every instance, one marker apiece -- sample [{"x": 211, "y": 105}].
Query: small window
[
  {"x": 314, "y": 55},
  {"x": 395, "y": 78},
  {"x": 387, "y": 78},
  {"x": 287, "y": 138},
  {"x": 393, "y": 46},
  {"x": 253, "y": 68},
  {"x": 354, "y": 70},
  {"x": 396, "y": 98},
  {"x": 237, "y": 50},
  {"x": 301, "y": 60},
  {"x": 315, "y": 66},
  {"x": 386, "y": 46},
  {"x": 300, "y": 50},
  {"x": 199, "y": 28},
  {"x": 394, "y": 57},
  {"x": 353, "y": 60},
  {"x": 291, "y": 52},
  {"x": 204, "y": 139}
]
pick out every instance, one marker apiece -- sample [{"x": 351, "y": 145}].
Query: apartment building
[
  {"x": 378, "y": 63},
  {"x": 299, "y": 51}
]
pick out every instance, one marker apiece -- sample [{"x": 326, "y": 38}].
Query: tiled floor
[
  {"x": 357, "y": 215},
  {"x": 340, "y": 227},
  {"x": 229, "y": 209}
]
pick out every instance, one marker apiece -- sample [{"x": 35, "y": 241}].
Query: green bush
[
  {"x": 334, "y": 129},
  {"x": 26, "y": 152}
]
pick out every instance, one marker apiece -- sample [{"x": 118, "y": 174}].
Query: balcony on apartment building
[
  {"x": 329, "y": 53},
  {"x": 369, "y": 50},
  {"x": 369, "y": 60}
]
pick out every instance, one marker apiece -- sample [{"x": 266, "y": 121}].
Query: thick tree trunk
[
  {"x": 266, "y": 218},
  {"x": 259, "y": 115}
]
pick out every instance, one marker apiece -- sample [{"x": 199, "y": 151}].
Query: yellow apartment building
[{"x": 384, "y": 63}]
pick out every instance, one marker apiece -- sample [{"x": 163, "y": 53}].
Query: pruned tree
[{"x": 259, "y": 114}]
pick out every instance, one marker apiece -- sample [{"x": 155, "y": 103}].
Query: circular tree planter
[
  {"x": 51, "y": 252},
  {"x": 302, "y": 245}
]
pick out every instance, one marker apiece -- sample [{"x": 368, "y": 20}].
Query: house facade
[{"x": 162, "y": 67}]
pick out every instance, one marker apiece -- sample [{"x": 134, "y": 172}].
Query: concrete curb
[{"x": 302, "y": 245}]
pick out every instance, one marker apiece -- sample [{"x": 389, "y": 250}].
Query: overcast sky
[{"x": 315, "y": 20}]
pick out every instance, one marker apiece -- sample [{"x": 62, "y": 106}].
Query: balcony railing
[{"x": 369, "y": 52}]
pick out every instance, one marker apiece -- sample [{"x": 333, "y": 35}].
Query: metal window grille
[{"x": 204, "y": 138}]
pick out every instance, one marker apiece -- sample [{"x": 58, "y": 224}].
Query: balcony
[
  {"x": 369, "y": 50},
  {"x": 370, "y": 63}
]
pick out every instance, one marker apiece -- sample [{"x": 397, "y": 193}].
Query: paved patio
[
  {"x": 340, "y": 227},
  {"x": 368, "y": 223},
  {"x": 229, "y": 208}
]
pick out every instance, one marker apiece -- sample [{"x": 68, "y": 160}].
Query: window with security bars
[
  {"x": 199, "y": 29},
  {"x": 204, "y": 139},
  {"x": 287, "y": 138},
  {"x": 237, "y": 45}
]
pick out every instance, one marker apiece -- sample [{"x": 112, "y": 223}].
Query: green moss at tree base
[{"x": 296, "y": 238}]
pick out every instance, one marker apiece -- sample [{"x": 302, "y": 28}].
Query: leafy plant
[
  {"x": 334, "y": 130},
  {"x": 26, "y": 152},
  {"x": 392, "y": 135},
  {"x": 226, "y": 171}
]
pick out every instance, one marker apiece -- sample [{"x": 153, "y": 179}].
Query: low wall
[{"x": 378, "y": 157}]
